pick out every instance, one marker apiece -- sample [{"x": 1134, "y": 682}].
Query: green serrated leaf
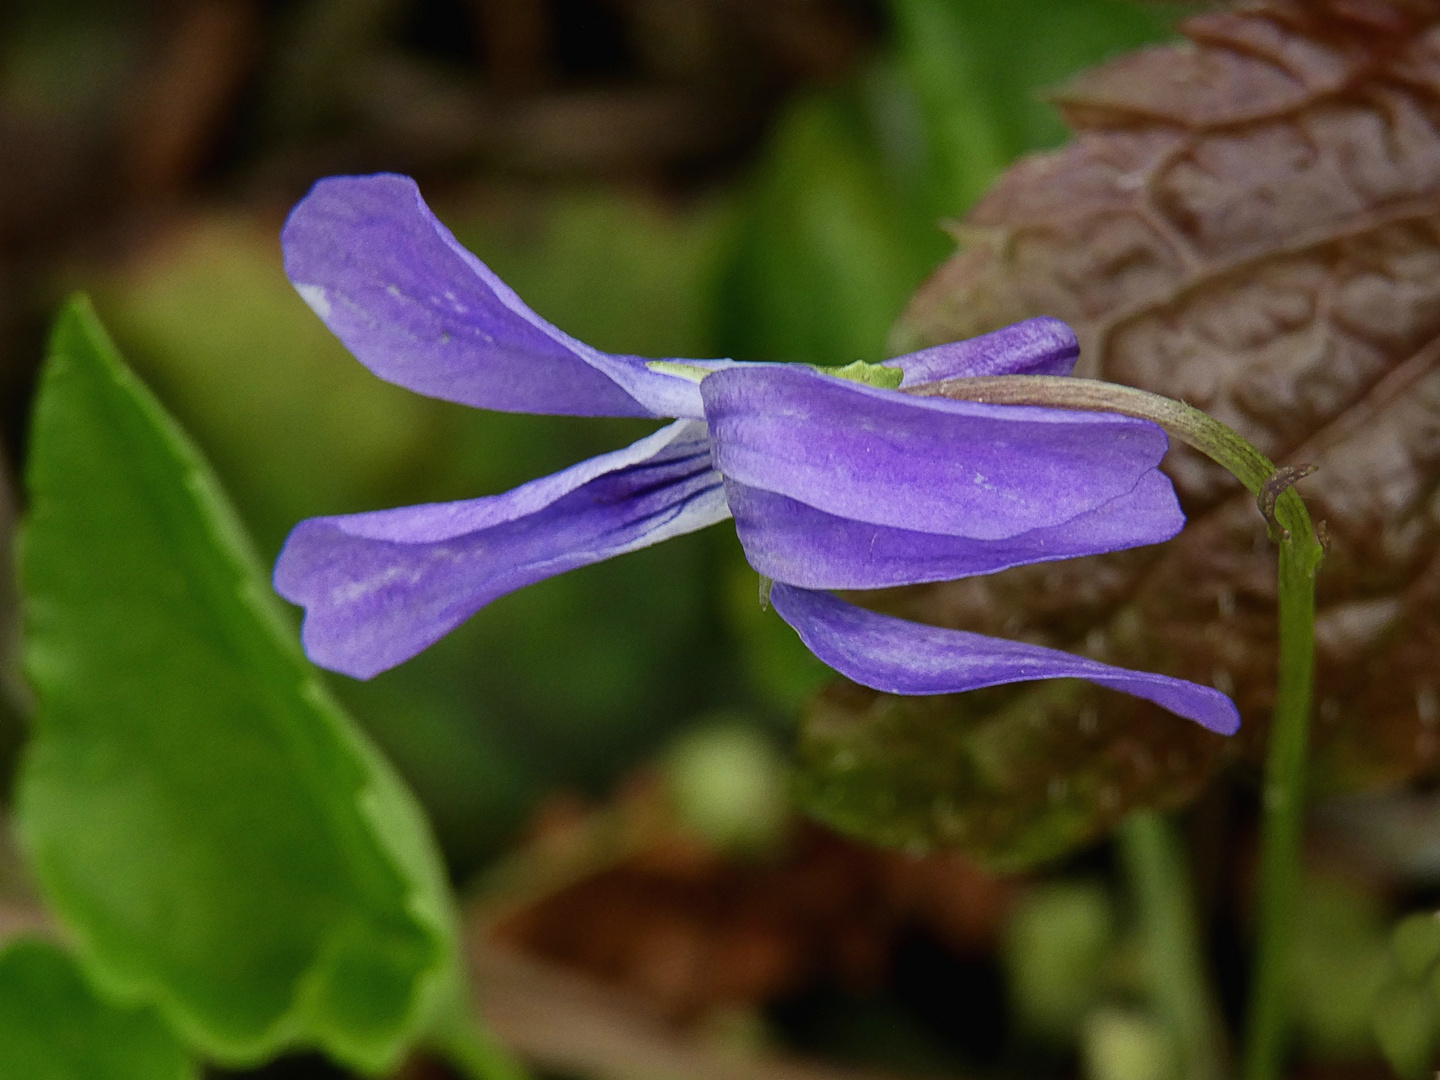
[
  {"x": 53, "y": 1027},
  {"x": 217, "y": 835}
]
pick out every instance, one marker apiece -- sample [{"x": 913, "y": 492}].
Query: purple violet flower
[{"x": 833, "y": 483}]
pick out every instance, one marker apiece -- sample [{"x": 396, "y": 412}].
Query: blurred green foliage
[
  {"x": 1125, "y": 1044},
  {"x": 1339, "y": 963},
  {"x": 1059, "y": 950},
  {"x": 843, "y": 216},
  {"x": 728, "y": 784},
  {"x": 1406, "y": 1009},
  {"x": 54, "y": 1027}
]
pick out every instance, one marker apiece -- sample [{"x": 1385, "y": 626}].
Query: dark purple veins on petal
[
  {"x": 900, "y": 657},
  {"x": 379, "y": 587}
]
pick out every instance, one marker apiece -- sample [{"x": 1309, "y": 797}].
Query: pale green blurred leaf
[
  {"x": 1407, "y": 1029},
  {"x": 1124, "y": 1044},
  {"x": 1055, "y": 951},
  {"x": 728, "y": 783},
  {"x": 54, "y": 1027},
  {"x": 214, "y": 832},
  {"x": 1338, "y": 966},
  {"x": 1415, "y": 941}
]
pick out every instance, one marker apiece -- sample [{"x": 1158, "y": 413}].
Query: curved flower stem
[{"x": 1301, "y": 551}]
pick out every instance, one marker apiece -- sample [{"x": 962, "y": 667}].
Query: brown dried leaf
[
  {"x": 1249, "y": 222},
  {"x": 628, "y": 897}
]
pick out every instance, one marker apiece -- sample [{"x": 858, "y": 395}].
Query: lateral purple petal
[
  {"x": 378, "y": 588},
  {"x": 795, "y": 543},
  {"x": 419, "y": 310},
  {"x": 1040, "y": 346},
  {"x": 900, "y": 657},
  {"x": 956, "y": 468}
]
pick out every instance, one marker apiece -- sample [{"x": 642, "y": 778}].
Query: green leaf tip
[
  {"x": 886, "y": 378},
  {"x": 691, "y": 372},
  {"x": 53, "y": 1026},
  {"x": 217, "y": 835}
]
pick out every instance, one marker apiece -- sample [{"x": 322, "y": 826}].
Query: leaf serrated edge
[{"x": 78, "y": 335}]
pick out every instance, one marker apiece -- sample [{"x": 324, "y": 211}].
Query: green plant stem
[
  {"x": 1175, "y": 971},
  {"x": 1283, "y": 810},
  {"x": 1283, "y": 814}
]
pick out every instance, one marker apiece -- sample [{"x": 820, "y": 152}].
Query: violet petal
[
  {"x": 900, "y": 657},
  {"x": 792, "y": 542},
  {"x": 419, "y": 310},
  {"x": 1040, "y": 346},
  {"x": 958, "y": 468},
  {"x": 379, "y": 587}
]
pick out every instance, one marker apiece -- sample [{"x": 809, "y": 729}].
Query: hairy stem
[
  {"x": 1282, "y": 818},
  {"x": 1179, "y": 985}
]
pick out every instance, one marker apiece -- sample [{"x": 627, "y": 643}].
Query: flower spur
[{"x": 833, "y": 482}]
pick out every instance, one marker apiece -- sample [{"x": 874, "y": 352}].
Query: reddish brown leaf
[
  {"x": 1249, "y": 222},
  {"x": 687, "y": 929}
]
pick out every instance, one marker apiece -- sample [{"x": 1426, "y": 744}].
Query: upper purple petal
[
  {"x": 795, "y": 543},
  {"x": 417, "y": 309},
  {"x": 379, "y": 587},
  {"x": 900, "y": 657},
  {"x": 884, "y": 457},
  {"x": 1040, "y": 346}
]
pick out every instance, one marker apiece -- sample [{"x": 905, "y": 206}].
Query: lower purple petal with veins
[
  {"x": 885, "y": 457},
  {"x": 900, "y": 657},
  {"x": 792, "y": 542},
  {"x": 379, "y": 587}
]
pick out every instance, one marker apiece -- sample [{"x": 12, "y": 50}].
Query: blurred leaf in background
[
  {"x": 53, "y": 1027},
  {"x": 1058, "y": 947},
  {"x": 216, "y": 834},
  {"x": 844, "y": 217},
  {"x": 1338, "y": 968}
]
